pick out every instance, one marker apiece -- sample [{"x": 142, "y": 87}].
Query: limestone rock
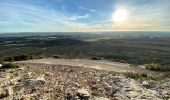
[
  {"x": 145, "y": 83},
  {"x": 83, "y": 93},
  {"x": 0, "y": 65},
  {"x": 101, "y": 98},
  {"x": 132, "y": 94}
]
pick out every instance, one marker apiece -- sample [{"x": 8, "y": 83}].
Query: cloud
[
  {"x": 79, "y": 17},
  {"x": 83, "y": 17},
  {"x": 87, "y": 9},
  {"x": 18, "y": 14}
]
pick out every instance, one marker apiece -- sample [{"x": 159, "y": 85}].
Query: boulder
[
  {"x": 145, "y": 84},
  {"x": 0, "y": 65},
  {"x": 83, "y": 93},
  {"x": 132, "y": 94}
]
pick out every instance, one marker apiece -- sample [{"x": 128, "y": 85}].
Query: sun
[{"x": 120, "y": 15}]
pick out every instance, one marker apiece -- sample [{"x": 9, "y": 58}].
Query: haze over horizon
[{"x": 88, "y": 15}]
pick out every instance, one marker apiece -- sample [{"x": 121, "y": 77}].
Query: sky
[{"x": 84, "y": 15}]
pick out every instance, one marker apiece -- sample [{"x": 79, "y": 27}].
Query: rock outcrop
[{"x": 59, "y": 82}]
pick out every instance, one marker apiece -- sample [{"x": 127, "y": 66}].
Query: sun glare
[{"x": 120, "y": 15}]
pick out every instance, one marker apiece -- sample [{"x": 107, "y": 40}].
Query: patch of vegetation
[
  {"x": 56, "y": 56},
  {"x": 166, "y": 75},
  {"x": 22, "y": 57},
  {"x": 95, "y": 58},
  {"x": 140, "y": 76},
  {"x": 1, "y": 61},
  {"x": 8, "y": 58},
  {"x": 95, "y": 92},
  {"x": 18, "y": 58},
  {"x": 9, "y": 66},
  {"x": 157, "y": 67}
]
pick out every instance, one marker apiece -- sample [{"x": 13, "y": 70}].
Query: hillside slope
[{"x": 42, "y": 81}]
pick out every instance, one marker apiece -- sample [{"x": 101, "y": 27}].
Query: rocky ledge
[{"x": 59, "y": 82}]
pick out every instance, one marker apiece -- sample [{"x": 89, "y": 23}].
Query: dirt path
[{"x": 98, "y": 64}]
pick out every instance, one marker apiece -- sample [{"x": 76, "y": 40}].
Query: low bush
[
  {"x": 157, "y": 67},
  {"x": 1, "y": 61},
  {"x": 22, "y": 57},
  {"x": 95, "y": 58},
  {"x": 18, "y": 58},
  {"x": 8, "y": 59},
  {"x": 140, "y": 76},
  {"x": 56, "y": 56},
  {"x": 96, "y": 93},
  {"x": 9, "y": 65},
  {"x": 166, "y": 75}
]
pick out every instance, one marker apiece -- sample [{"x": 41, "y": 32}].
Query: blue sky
[{"x": 83, "y": 15}]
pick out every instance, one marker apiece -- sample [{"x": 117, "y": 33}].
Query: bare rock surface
[
  {"x": 96, "y": 64},
  {"x": 41, "y": 81}
]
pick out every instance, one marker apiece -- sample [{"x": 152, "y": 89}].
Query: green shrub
[
  {"x": 18, "y": 58},
  {"x": 140, "y": 76},
  {"x": 9, "y": 65},
  {"x": 1, "y": 61},
  {"x": 22, "y": 57},
  {"x": 8, "y": 59},
  {"x": 157, "y": 67},
  {"x": 56, "y": 56},
  {"x": 95, "y": 58},
  {"x": 153, "y": 66},
  {"x": 166, "y": 75},
  {"x": 96, "y": 93}
]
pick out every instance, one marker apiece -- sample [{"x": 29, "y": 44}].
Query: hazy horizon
[{"x": 166, "y": 31}]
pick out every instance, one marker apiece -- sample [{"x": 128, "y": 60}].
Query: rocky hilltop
[{"x": 64, "y": 82}]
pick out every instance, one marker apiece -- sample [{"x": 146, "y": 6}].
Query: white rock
[
  {"x": 132, "y": 94},
  {"x": 10, "y": 90},
  {"x": 145, "y": 83},
  {"x": 142, "y": 66},
  {"x": 100, "y": 98},
  {"x": 84, "y": 93},
  {"x": 41, "y": 78},
  {"x": 0, "y": 65}
]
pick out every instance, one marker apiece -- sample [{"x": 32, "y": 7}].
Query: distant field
[{"x": 132, "y": 48}]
